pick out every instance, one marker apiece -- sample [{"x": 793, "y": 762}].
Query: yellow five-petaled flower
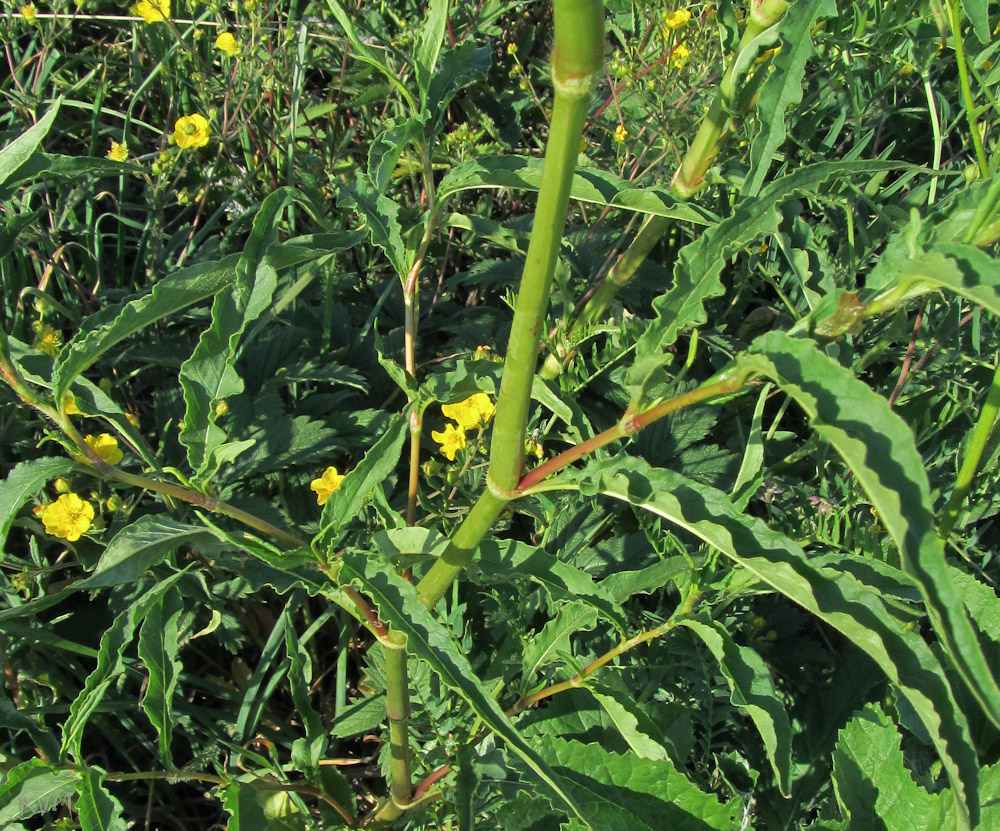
[
  {"x": 326, "y": 484},
  {"x": 118, "y": 152},
  {"x": 227, "y": 43},
  {"x": 191, "y": 131},
  {"x": 677, "y": 20},
  {"x": 152, "y": 11},
  {"x": 68, "y": 517},
  {"x": 475, "y": 410},
  {"x": 451, "y": 439},
  {"x": 620, "y": 134},
  {"x": 105, "y": 446}
]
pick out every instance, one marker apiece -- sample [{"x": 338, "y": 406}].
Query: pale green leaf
[
  {"x": 17, "y": 152},
  {"x": 97, "y": 809},
  {"x": 554, "y": 639},
  {"x": 23, "y": 482},
  {"x": 245, "y": 812},
  {"x": 636, "y": 727},
  {"x": 158, "y": 650}
]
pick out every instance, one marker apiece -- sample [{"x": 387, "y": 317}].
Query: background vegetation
[{"x": 244, "y": 244}]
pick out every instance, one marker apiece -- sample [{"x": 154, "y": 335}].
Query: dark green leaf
[
  {"x": 23, "y": 482},
  {"x": 158, "y": 649},
  {"x": 97, "y": 809}
]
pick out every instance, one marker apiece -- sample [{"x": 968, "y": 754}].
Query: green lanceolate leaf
[
  {"x": 427, "y": 639},
  {"x": 308, "y": 750},
  {"x": 554, "y": 639},
  {"x": 460, "y": 66},
  {"x": 658, "y": 795},
  {"x": 636, "y": 727},
  {"x": 783, "y": 87},
  {"x": 700, "y": 263},
  {"x": 97, "y": 809},
  {"x": 839, "y": 599},
  {"x": 17, "y": 152},
  {"x": 113, "y": 324},
  {"x": 590, "y": 186},
  {"x": 23, "y": 482},
  {"x": 429, "y": 41},
  {"x": 158, "y": 649},
  {"x": 379, "y": 213},
  {"x": 245, "y": 813},
  {"x": 141, "y": 546},
  {"x": 32, "y": 788},
  {"x": 387, "y": 147},
  {"x": 963, "y": 269},
  {"x": 377, "y": 465},
  {"x": 209, "y": 376},
  {"x": 979, "y": 14},
  {"x": 875, "y": 787},
  {"x": 752, "y": 688},
  {"x": 109, "y": 665},
  {"x": 881, "y": 451}
]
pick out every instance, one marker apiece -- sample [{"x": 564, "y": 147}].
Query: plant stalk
[
  {"x": 973, "y": 456},
  {"x": 577, "y": 57},
  {"x": 397, "y": 710}
]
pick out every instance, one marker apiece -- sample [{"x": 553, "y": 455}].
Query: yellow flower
[
  {"x": 68, "y": 517},
  {"x": 105, "y": 446},
  {"x": 118, "y": 152},
  {"x": 475, "y": 410},
  {"x": 326, "y": 484},
  {"x": 680, "y": 55},
  {"x": 533, "y": 448},
  {"x": 452, "y": 439},
  {"x": 227, "y": 43},
  {"x": 28, "y": 12},
  {"x": 152, "y": 11},
  {"x": 677, "y": 20},
  {"x": 620, "y": 134},
  {"x": 69, "y": 406},
  {"x": 47, "y": 339},
  {"x": 191, "y": 131}
]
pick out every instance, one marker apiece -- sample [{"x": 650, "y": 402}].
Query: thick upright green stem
[
  {"x": 973, "y": 456},
  {"x": 715, "y": 129},
  {"x": 397, "y": 710},
  {"x": 577, "y": 57}
]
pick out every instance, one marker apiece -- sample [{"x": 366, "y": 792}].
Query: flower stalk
[{"x": 577, "y": 58}]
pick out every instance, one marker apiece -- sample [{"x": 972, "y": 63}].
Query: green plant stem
[
  {"x": 685, "y": 609},
  {"x": 716, "y": 127},
  {"x": 397, "y": 710},
  {"x": 577, "y": 58},
  {"x": 955, "y": 20},
  {"x": 973, "y": 456},
  {"x": 631, "y": 424}
]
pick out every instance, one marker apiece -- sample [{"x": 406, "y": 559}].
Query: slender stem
[
  {"x": 682, "y": 611},
  {"x": 397, "y": 710},
  {"x": 714, "y": 131},
  {"x": 973, "y": 456},
  {"x": 630, "y": 424},
  {"x": 577, "y": 57},
  {"x": 955, "y": 19}
]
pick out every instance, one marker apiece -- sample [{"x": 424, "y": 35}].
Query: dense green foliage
[{"x": 727, "y": 560}]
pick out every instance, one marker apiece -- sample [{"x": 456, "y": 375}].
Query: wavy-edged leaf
[
  {"x": 838, "y": 599},
  {"x": 783, "y": 87},
  {"x": 141, "y": 546},
  {"x": 13, "y": 721},
  {"x": 979, "y": 14},
  {"x": 590, "y": 186},
  {"x": 18, "y": 151},
  {"x": 635, "y": 726},
  {"x": 380, "y": 215},
  {"x": 110, "y": 665},
  {"x": 627, "y": 793},
  {"x": 309, "y": 749},
  {"x": 873, "y": 784},
  {"x": 209, "y": 376},
  {"x": 882, "y": 453},
  {"x": 32, "y": 788},
  {"x": 621, "y": 585},
  {"x": 554, "y": 639},
  {"x": 158, "y": 649},
  {"x": 697, "y": 273},
  {"x": 97, "y": 809},
  {"x": 23, "y": 482},
  {"x": 245, "y": 812},
  {"x": 752, "y": 688},
  {"x": 425, "y": 56},
  {"x": 113, "y": 324},
  {"x": 460, "y": 66},
  {"x": 426, "y": 638}
]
